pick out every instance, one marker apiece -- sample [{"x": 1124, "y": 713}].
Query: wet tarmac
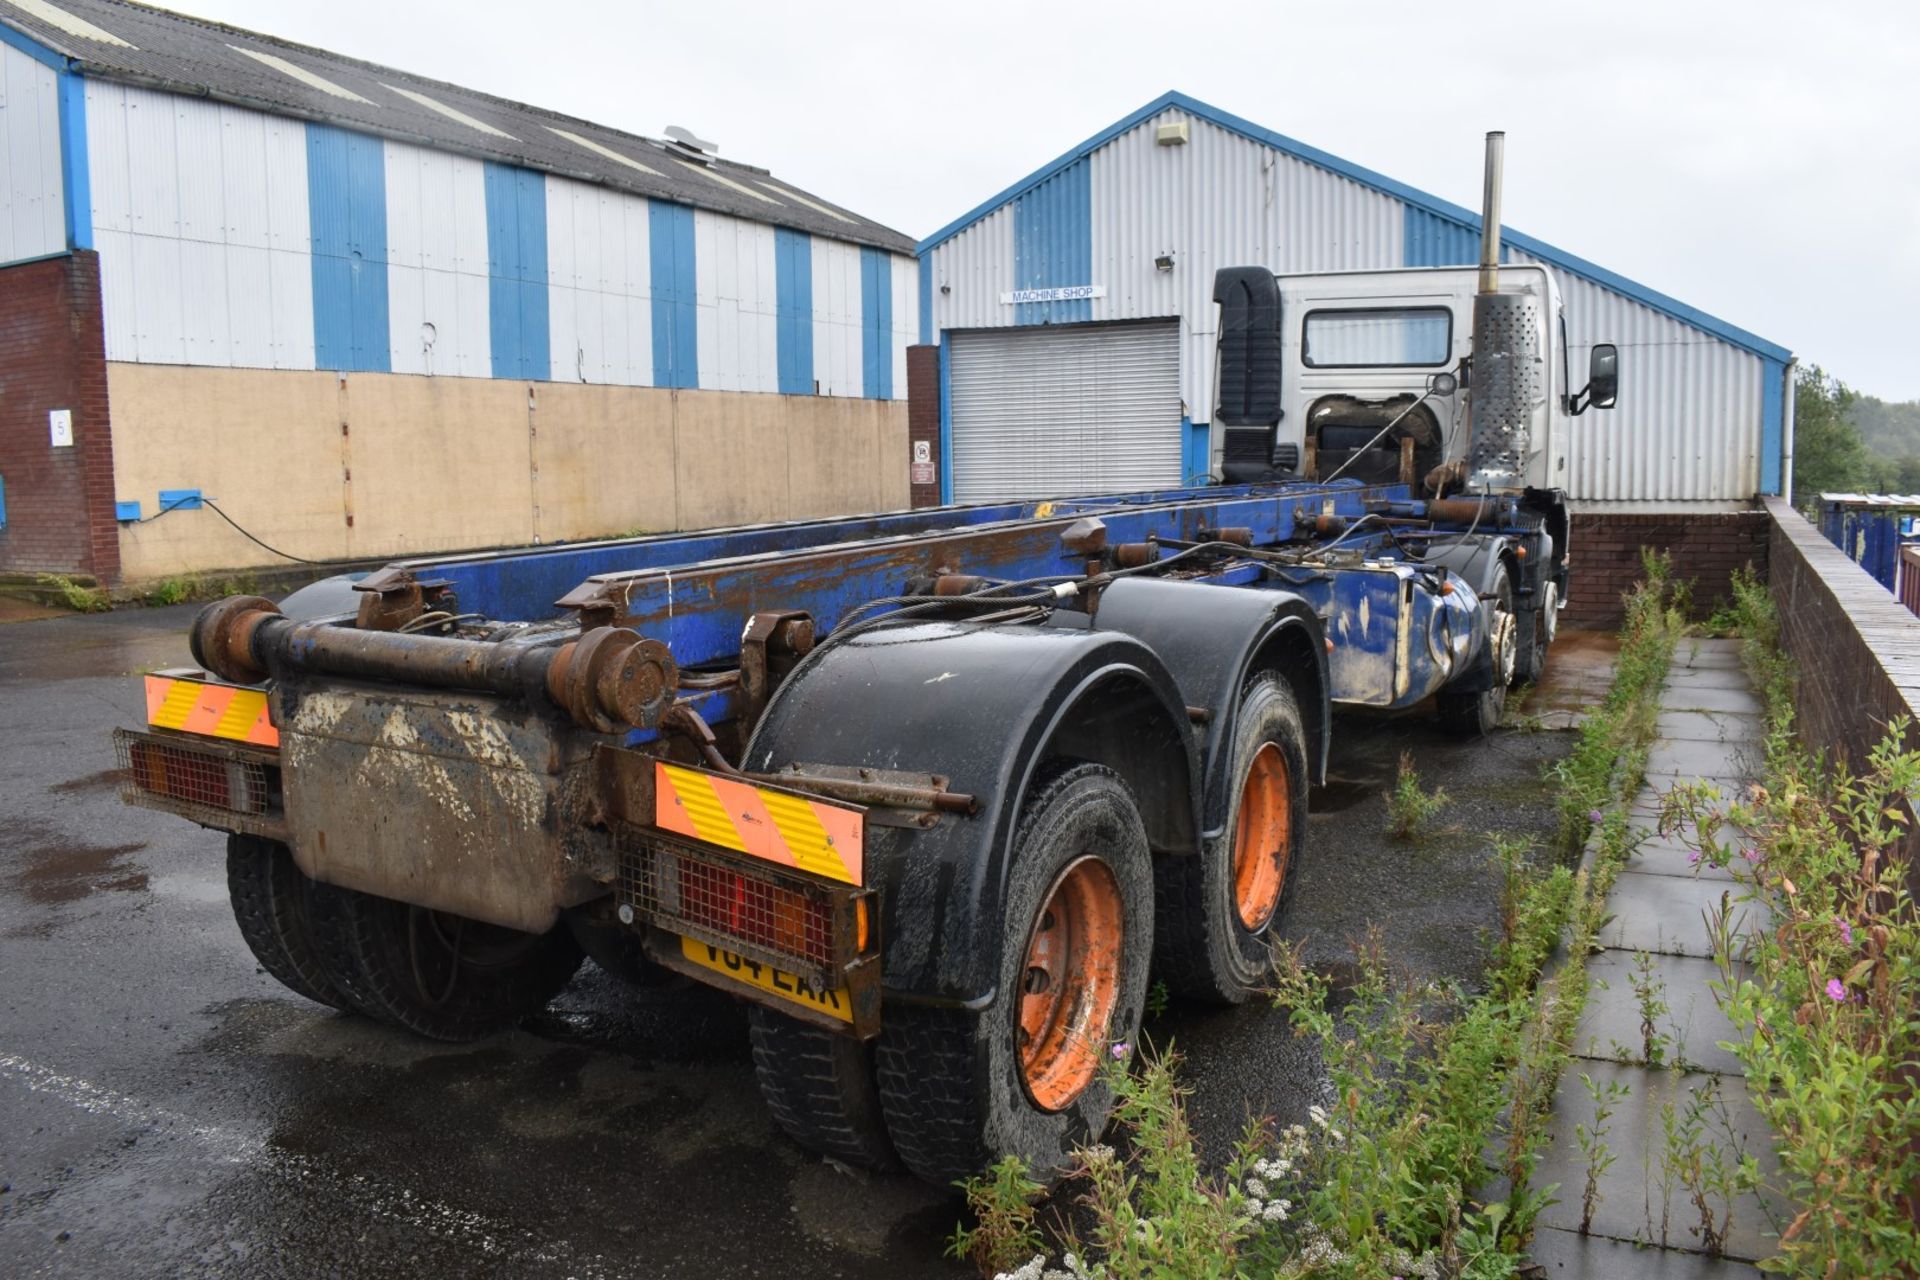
[{"x": 168, "y": 1109}]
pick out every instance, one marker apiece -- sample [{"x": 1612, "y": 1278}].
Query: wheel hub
[
  {"x": 1505, "y": 647},
  {"x": 1262, "y": 837},
  {"x": 1069, "y": 984}
]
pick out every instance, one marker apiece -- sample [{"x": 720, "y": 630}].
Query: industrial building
[
  {"x": 1074, "y": 323},
  {"x": 369, "y": 314}
]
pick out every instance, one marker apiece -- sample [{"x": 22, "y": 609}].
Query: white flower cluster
[
  {"x": 1319, "y": 1252},
  {"x": 1424, "y": 1267},
  {"x": 1318, "y": 1114},
  {"x": 1036, "y": 1268}
]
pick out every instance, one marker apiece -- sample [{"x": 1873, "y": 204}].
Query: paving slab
[
  {"x": 1668, "y": 914},
  {"x": 1692, "y": 1025},
  {"x": 1695, "y": 759},
  {"x": 1710, "y": 726},
  {"x": 1636, "y": 1197},
  {"x": 1693, "y": 697},
  {"x": 1658, "y": 855},
  {"x": 1567, "y": 1255},
  {"x": 1709, "y": 677}
]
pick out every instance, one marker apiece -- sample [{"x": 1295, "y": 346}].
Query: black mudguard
[
  {"x": 986, "y": 707},
  {"x": 1213, "y": 638}
]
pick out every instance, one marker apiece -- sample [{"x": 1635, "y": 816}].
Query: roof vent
[{"x": 686, "y": 144}]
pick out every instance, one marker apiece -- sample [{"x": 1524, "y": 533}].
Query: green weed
[
  {"x": 1410, "y": 806},
  {"x": 80, "y": 599}
]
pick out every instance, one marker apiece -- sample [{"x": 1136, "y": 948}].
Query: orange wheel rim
[
  {"x": 1262, "y": 837},
  {"x": 1070, "y": 983}
]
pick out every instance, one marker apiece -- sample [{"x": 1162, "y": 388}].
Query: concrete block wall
[
  {"x": 59, "y": 499},
  {"x": 1706, "y": 549}
]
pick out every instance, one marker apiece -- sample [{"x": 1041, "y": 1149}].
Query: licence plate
[{"x": 835, "y": 1003}]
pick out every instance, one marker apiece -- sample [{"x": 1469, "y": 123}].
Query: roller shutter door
[{"x": 1051, "y": 412}]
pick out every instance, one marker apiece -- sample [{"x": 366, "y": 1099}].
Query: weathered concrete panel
[
  {"x": 372, "y": 465},
  {"x": 265, "y": 445}
]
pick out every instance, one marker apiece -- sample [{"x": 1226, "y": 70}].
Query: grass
[{"x": 1424, "y": 1082}]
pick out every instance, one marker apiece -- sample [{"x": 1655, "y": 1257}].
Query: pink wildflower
[
  {"x": 1836, "y": 990},
  {"x": 1846, "y": 930},
  {"x": 1121, "y": 1050},
  {"x": 1751, "y": 855},
  {"x": 1693, "y": 859},
  {"x": 1593, "y": 815}
]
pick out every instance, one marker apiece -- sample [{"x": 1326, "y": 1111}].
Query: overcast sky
[{"x": 1757, "y": 160}]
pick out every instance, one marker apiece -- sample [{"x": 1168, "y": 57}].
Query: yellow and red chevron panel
[
  {"x": 210, "y": 710},
  {"x": 762, "y": 822}
]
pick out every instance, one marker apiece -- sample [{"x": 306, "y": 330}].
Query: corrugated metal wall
[
  {"x": 234, "y": 238},
  {"x": 32, "y": 208},
  {"x": 1689, "y": 426},
  {"x": 1219, "y": 200}
]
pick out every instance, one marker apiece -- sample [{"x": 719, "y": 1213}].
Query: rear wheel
[
  {"x": 439, "y": 975},
  {"x": 1478, "y": 713},
  {"x": 271, "y": 904},
  {"x": 1213, "y": 913},
  {"x": 820, "y": 1087},
  {"x": 961, "y": 1088}
]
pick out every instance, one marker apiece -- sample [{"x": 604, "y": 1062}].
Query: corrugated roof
[
  {"x": 1413, "y": 197},
  {"x": 138, "y": 44}
]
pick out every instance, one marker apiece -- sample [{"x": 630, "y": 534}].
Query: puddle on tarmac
[
  {"x": 59, "y": 873},
  {"x": 104, "y": 780}
]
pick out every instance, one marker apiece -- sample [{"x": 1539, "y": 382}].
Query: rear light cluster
[
  {"x": 185, "y": 779},
  {"x": 757, "y": 908},
  {"x": 789, "y": 922}
]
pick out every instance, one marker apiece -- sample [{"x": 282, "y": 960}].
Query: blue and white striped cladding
[{"x": 235, "y": 238}]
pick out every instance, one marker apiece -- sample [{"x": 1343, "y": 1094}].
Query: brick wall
[
  {"x": 1706, "y": 549},
  {"x": 923, "y": 416},
  {"x": 1856, "y": 646},
  {"x": 52, "y": 356}
]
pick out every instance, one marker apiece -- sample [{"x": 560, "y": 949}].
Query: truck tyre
[
  {"x": 1021, "y": 1076},
  {"x": 271, "y": 898},
  {"x": 1213, "y": 913},
  {"x": 439, "y": 975},
  {"x": 1473, "y": 715},
  {"x": 820, "y": 1088},
  {"x": 1546, "y": 622}
]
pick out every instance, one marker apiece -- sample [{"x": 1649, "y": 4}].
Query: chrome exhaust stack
[{"x": 1508, "y": 364}]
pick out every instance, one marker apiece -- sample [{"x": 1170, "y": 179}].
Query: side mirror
[{"x": 1603, "y": 379}]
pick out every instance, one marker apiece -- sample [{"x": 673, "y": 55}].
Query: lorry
[{"x": 933, "y": 791}]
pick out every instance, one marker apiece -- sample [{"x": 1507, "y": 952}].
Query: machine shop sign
[{"x": 1061, "y": 293}]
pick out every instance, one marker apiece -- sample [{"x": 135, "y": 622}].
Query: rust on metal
[
  {"x": 888, "y": 788},
  {"x": 221, "y": 639},
  {"x": 1406, "y": 460},
  {"x": 1329, "y": 526},
  {"x": 1134, "y": 555},
  {"x": 392, "y": 597},
  {"x": 612, "y": 678},
  {"x": 690, "y": 724},
  {"x": 1460, "y": 510},
  {"x": 773, "y": 641},
  {"x": 959, "y": 584}
]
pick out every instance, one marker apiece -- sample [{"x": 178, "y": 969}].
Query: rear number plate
[{"x": 764, "y": 977}]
